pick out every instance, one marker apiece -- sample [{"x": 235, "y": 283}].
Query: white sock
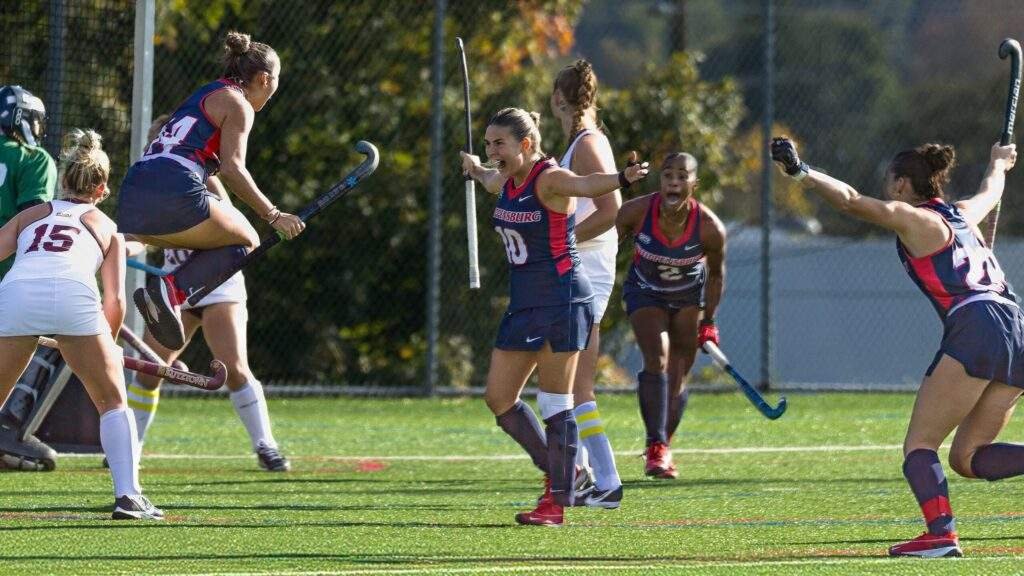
[
  {"x": 551, "y": 404},
  {"x": 251, "y": 407},
  {"x": 582, "y": 458},
  {"x": 592, "y": 436},
  {"x": 117, "y": 435},
  {"x": 143, "y": 403}
]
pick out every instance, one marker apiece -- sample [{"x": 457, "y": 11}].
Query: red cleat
[
  {"x": 547, "y": 513},
  {"x": 929, "y": 546},
  {"x": 659, "y": 461}
]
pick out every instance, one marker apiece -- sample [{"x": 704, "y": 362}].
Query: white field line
[
  {"x": 586, "y": 567},
  {"x": 501, "y": 457}
]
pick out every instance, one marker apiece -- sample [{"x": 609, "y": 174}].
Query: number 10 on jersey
[{"x": 515, "y": 245}]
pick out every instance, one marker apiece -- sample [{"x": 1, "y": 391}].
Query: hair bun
[
  {"x": 237, "y": 43},
  {"x": 939, "y": 156},
  {"x": 535, "y": 116},
  {"x": 584, "y": 68},
  {"x": 80, "y": 141}
]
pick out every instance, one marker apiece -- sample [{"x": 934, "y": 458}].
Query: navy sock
[
  {"x": 205, "y": 267},
  {"x": 923, "y": 471},
  {"x": 521, "y": 424},
  {"x": 676, "y": 409},
  {"x": 998, "y": 461},
  {"x": 563, "y": 440},
  {"x": 652, "y": 390}
]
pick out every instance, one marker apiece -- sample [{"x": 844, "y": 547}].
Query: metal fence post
[
  {"x": 766, "y": 193},
  {"x": 434, "y": 236},
  {"x": 54, "y": 97},
  {"x": 142, "y": 116}
]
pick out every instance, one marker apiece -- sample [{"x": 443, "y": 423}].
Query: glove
[
  {"x": 784, "y": 152},
  {"x": 707, "y": 332}
]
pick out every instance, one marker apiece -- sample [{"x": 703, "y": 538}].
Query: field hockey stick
[
  {"x": 147, "y": 268},
  {"x": 337, "y": 191},
  {"x": 220, "y": 371},
  {"x": 1011, "y": 48},
  {"x": 755, "y": 398},
  {"x": 147, "y": 353},
  {"x": 471, "y": 235}
]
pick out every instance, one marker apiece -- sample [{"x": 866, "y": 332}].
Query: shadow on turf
[{"x": 646, "y": 483}]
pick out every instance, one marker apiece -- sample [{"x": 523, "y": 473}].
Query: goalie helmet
[{"x": 22, "y": 115}]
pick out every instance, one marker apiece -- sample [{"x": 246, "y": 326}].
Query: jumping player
[
  {"x": 223, "y": 316},
  {"x": 678, "y": 269},
  {"x": 51, "y": 289},
  {"x": 574, "y": 103},
  {"x": 164, "y": 199},
  {"x": 976, "y": 377},
  {"x": 550, "y": 312}
]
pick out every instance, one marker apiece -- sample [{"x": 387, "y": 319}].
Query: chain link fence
[{"x": 350, "y": 302}]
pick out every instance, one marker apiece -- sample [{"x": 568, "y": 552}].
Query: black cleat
[
  {"x": 29, "y": 454},
  {"x": 159, "y": 307},
  {"x": 136, "y": 507},
  {"x": 608, "y": 499},
  {"x": 271, "y": 460}
]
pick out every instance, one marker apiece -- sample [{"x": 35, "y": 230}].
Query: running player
[
  {"x": 976, "y": 377},
  {"x": 51, "y": 289},
  {"x": 550, "y": 312},
  {"x": 164, "y": 199},
  {"x": 223, "y": 316},
  {"x": 678, "y": 269},
  {"x": 574, "y": 103}
]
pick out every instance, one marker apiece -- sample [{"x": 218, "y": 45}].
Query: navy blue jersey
[
  {"x": 664, "y": 266},
  {"x": 190, "y": 137},
  {"x": 541, "y": 247},
  {"x": 964, "y": 270}
]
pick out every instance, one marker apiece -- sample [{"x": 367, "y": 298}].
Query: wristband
[
  {"x": 707, "y": 322},
  {"x": 272, "y": 216}
]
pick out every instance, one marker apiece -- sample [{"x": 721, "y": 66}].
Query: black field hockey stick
[
  {"x": 220, "y": 371},
  {"x": 1011, "y": 48},
  {"x": 312, "y": 209},
  {"x": 752, "y": 394},
  {"x": 471, "y": 235}
]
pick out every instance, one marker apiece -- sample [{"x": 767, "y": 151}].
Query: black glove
[{"x": 784, "y": 152}]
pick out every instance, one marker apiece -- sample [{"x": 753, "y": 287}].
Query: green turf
[{"x": 770, "y": 512}]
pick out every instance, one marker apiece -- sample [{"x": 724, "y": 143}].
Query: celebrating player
[
  {"x": 51, "y": 289},
  {"x": 550, "y": 312},
  {"x": 164, "y": 199},
  {"x": 574, "y": 103},
  {"x": 975, "y": 379},
  {"x": 678, "y": 269}
]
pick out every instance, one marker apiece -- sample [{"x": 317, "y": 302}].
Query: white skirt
[
  {"x": 232, "y": 290},
  {"x": 50, "y": 306},
  {"x": 599, "y": 267}
]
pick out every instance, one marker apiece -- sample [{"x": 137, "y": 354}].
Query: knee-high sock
[
  {"x": 652, "y": 390},
  {"x": 118, "y": 437},
  {"x": 923, "y": 472},
  {"x": 521, "y": 424},
  {"x": 676, "y": 409},
  {"x": 998, "y": 461},
  {"x": 563, "y": 437},
  {"x": 204, "y": 267},
  {"x": 593, "y": 438},
  {"x": 143, "y": 403},
  {"x": 251, "y": 407}
]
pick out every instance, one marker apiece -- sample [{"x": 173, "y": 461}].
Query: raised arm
[
  {"x": 490, "y": 178},
  {"x": 1001, "y": 160},
  {"x": 566, "y": 183},
  {"x": 587, "y": 159}
]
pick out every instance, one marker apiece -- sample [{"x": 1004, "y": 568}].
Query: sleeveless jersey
[
  {"x": 963, "y": 271},
  {"x": 663, "y": 266},
  {"x": 585, "y": 206},
  {"x": 541, "y": 247},
  {"x": 58, "y": 246},
  {"x": 190, "y": 137}
]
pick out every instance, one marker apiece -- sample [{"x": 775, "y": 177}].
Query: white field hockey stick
[{"x": 471, "y": 236}]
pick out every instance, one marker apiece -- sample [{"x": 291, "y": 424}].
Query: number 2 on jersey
[
  {"x": 57, "y": 241},
  {"x": 515, "y": 246}
]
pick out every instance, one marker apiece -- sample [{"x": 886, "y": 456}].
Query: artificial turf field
[{"x": 431, "y": 487}]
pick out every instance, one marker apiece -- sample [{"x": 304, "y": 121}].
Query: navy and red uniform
[
  {"x": 550, "y": 298},
  {"x": 666, "y": 274},
  {"x": 983, "y": 328},
  {"x": 165, "y": 190}
]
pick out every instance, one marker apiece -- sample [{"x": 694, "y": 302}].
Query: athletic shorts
[
  {"x": 988, "y": 339},
  {"x": 636, "y": 298},
  {"x": 599, "y": 267},
  {"x": 160, "y": 196},
  {"x": 566, "y": 328},
  {"x": 45, "y": 306}
]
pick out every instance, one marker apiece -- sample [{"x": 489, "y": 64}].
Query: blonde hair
[
  {"x": 84, "y": 163},
  {"x": 521, "y": 123}
]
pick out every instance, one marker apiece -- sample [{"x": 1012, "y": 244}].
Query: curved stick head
[
  {"x": 220, "y": 375},
  {"x": 775, "y": 413},
  {"x": 372, "y": 157},
  {"x": 1008, "y": 47},
  {"x": 179, "y": 365}
]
